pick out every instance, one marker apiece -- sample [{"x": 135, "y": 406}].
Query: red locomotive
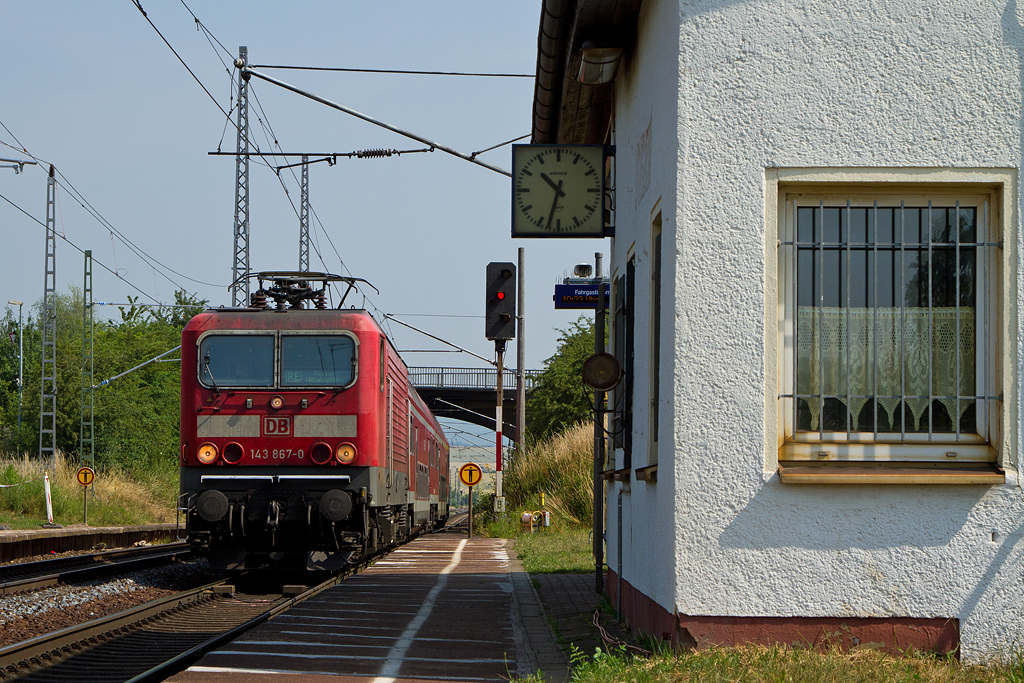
[{"x": 302, "y": 442}]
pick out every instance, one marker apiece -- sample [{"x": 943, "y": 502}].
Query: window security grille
[{"x": 888, "y": 319}]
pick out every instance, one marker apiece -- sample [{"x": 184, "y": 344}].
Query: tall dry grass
[
  {"x": 116, "y": 498},
  {"x": 561, "y": 467}
]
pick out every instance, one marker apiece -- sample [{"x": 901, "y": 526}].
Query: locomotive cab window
[
  {"x": 237, "y": 360},
  {"x": 317, "y": 360}
]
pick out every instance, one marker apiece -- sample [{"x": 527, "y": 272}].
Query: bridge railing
[{"x": 468, "y": 378}]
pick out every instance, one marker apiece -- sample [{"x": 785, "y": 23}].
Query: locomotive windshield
[
  {"x": 317, "y": 360},
  {"x": 237, "y": 360}
]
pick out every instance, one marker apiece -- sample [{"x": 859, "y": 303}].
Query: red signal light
[{"x": 501, "y": 295}]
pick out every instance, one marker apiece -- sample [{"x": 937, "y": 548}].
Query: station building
[{"x": 815, "y": 296}]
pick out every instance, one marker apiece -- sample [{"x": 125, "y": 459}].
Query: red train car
[{"x": 302, "y": 441}]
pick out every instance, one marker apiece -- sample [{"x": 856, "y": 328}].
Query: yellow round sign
[
  {"x": 470, "y": 474},
  {"x": 86, "y": 476}
]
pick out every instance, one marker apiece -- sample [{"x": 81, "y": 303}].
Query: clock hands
[
  {"x": 554, "y": 204},
  {"x": 557, "y": 188}
]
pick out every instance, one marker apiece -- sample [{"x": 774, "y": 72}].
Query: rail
[
  {"x": 15, "y": 578},
  {"x": 469, "y": 378}
]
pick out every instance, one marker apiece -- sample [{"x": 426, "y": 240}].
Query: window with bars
[{"x": 887, "y": 331}]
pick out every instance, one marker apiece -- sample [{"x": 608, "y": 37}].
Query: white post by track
[{"x": 49, "y": 500}]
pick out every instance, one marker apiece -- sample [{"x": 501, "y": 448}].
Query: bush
[{"x": 561, "y": 467}]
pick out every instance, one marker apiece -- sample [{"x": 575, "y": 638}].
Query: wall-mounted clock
[{"x": 558, "y": 190}]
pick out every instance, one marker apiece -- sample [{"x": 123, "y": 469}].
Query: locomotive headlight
[
  {"x": 346, "y": 453},
  {"x": 277, "y": 403},
  {"x": 207, "y": 454}
]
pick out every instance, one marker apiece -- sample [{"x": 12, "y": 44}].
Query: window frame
[
  {"x": 278, "y": 351},
  {"x": 225, "y": 333},
  {"x": 994, "y": 285},
  {"x": 279, "y": 342}
]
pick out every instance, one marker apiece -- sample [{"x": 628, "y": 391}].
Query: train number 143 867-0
[{"x": 276, "y": 454}]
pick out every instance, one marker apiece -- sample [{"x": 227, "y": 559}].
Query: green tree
[
  {"x": 560, "y": 399},
  {"x": 136, "y": 417}
]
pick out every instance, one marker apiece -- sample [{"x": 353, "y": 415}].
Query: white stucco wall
[
  {"x": 732, "y": 89},
  {"x": 643, "y": 103}
]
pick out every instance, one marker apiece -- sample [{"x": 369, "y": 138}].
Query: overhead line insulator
[{"x": 374, "y": 153}]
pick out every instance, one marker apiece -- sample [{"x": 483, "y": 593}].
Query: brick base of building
[{"x": 889, "y": 634}]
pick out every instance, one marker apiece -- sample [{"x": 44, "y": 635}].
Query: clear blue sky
[{"x": 92, "y": 88}]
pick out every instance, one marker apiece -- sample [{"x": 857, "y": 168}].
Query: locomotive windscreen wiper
[{"x": 206, "y": 366}]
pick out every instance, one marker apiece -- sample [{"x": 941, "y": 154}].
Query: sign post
[
  {"x": 470, "y": 474},
  {"x": 86, "y": 476}
]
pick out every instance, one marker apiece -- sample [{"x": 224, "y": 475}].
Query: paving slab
[{"x": 440, "y": 608}]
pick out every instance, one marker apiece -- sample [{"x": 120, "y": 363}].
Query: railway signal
[
  {"x": 501, "y": 301},
  {"x": 500, "y": 327}
]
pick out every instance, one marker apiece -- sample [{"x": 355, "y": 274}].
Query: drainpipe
[{"x": 618, "y": 578}]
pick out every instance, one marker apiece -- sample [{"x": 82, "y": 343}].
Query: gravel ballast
[{"x": 33, "y": 613}]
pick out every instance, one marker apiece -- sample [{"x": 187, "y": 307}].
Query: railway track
[
  {"x": 156, "y": 640},
  {"x": 152, "y": 641},
  {"x": 15, "y": 578},
  {"x": 458, "y": 520}
]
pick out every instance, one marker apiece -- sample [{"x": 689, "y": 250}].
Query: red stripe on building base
[{"x": 889, "y": 634}]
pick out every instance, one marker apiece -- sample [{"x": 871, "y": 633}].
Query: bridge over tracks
[{"x": 470, "y": 394}]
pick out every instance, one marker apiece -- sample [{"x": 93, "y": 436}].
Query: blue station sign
[{"x": 580, "y": 296}]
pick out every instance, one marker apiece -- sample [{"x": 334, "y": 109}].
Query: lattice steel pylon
[
  {"x": 304, "y": 218},
  {"x": 86, "y": 445},
  {"x": 240, "y": 262},
  {"x": 48, "y": 394}
]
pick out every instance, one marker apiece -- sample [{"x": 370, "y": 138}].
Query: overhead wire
[
  {"x": 272, "y": 141},
  {"x": 383, "y": 320},
  {"x": 138, "y": 4},
  {"x": 207, "y": 31},
  {"x": 75, "y": 194},
  {"x": 389, "y": 71},
  {"x": 210, "y": 38},
  {"x": 227, "y": 114},
  {"x": 463, "y": 434},
  {"x": 97, "y": 261}
]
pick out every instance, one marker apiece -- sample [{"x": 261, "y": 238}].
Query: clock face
[{"x": 557, "y": 190}]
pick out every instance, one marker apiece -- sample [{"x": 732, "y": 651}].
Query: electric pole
[
  {"x": 240, "y": 261},
  {"x": 521, "y": 356},
  {"x": 48, "y": 393},
  {"x": 87, "y": 448},
  {"x": 304, "y": 218}
]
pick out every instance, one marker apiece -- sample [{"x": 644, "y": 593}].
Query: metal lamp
[{"x": 598, "y": 64}]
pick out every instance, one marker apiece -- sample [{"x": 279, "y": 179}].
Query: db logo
[{"x": 277, "y": 426}]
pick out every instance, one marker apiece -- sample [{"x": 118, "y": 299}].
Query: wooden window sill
[
  {"x": 615, "y": 475},
  {"x": 796, "y": 472},
  {"x": 649, "y": 473}
]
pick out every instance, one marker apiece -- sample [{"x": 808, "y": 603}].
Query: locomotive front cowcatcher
[{"x": 302, "y": 442}]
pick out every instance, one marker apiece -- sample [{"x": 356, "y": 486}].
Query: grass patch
[
  {"x": 558, "y": 549},
  {"x": 755, "y": 663},
  {"x": 565, "y": 552},
  {"x": 119, "y": 499},
  {"x": 560, "y": 468}
]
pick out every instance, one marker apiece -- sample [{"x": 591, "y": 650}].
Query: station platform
[
  {"x": 440, "y": 608},
  {"x": 18, "y": 543}
]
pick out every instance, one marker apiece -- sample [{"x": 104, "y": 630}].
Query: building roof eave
[{"x": 564, "y": 110}]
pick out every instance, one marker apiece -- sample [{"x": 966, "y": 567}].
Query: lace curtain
[{"x": 899, "y": 336}]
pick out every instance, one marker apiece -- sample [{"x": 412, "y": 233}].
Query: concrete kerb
[
  {"x": 538, "y": 639},
  {"x": 16, "y": 543}
]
